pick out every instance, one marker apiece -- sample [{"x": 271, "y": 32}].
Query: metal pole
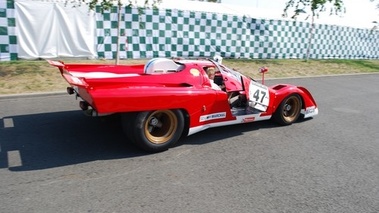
[{"x": 118, "y": 33}]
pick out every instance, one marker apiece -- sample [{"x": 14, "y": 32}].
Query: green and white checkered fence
[
  {"x": 151, "y": 33},
  {"x": 174, "y": 33},
  {"x": 8, "y": 39}
]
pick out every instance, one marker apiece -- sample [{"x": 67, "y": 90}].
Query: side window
[{"x": 232, "y": 80}]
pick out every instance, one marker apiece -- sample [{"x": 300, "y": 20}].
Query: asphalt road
[{"x": 54, "y": 159}]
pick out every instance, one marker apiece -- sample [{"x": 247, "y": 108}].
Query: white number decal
[{"x": 258, "y": 96}]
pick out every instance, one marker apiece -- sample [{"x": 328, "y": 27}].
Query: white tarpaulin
[{"x": 49, "y": 29}]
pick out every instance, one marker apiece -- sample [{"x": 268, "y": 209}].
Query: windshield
[
  {"x": 231, "y": 73},
  {"x": 232, "y": 79}
]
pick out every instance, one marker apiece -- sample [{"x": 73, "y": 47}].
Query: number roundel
[{"x": 259, "y": 96}]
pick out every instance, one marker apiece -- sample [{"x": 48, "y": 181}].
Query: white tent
[{"x": 49, "y": 29}]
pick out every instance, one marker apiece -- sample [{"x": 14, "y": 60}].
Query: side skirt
[{"x": 239, "y": 120}]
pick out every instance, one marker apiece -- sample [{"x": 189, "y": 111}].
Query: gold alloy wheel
[
  {"x": 160, "y": 126},
  {"x": 291, "y": 109}
]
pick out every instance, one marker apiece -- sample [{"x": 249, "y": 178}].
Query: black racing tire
[
  {"x": 156, "y": 131},
  {"x": 127, "y": 121},
  {"x": 289, "y": 110}
]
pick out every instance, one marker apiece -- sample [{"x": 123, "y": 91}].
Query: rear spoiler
[
  {"x": 56, "y": 63},
  {"x": 72, "y": 80}
]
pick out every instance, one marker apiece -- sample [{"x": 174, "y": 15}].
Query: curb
[{"x": 30, "y": 95}]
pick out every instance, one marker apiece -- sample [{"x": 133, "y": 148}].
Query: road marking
[
  {"x": 8, "y": 122},
  {"x": 14, "y": 159}
]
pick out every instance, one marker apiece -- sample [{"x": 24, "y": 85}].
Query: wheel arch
[
  {"x": 306, "y": 97},
  {"x": 284, "y": 90}
]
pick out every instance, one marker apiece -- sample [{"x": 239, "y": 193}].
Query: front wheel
[
  {"x": 289, "y": 110},
  {"x": 156, "y": 131}
]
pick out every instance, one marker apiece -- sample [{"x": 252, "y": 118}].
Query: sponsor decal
[
  {"x": 213, "y": 116},
  {"x": 195, "y": 72},
  {"x": 310, "y": 110},
  {"x": 247, "y": 120}
]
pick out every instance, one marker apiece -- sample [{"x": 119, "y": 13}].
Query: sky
[{"x": 359, "y": 13}]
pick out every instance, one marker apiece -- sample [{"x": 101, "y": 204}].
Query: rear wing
[
  {"x": 56, "y": 63},
  {"x": 82, "y": 74},
  {"x": 71, "y": 79}
]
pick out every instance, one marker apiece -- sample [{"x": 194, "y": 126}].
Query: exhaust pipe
[
  {"x": 94, "y": 113},
  {"x": 70, "y": 90},
  {"x": 83, "y": 105},
  {"x": 89, "y": 111}
]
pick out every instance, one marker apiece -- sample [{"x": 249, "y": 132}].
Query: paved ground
[{"x": 54, "y": 159}]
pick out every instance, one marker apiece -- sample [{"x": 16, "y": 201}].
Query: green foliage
[
  {"x": 315, "y": 6},
  {"x": 108, "y": 4}
]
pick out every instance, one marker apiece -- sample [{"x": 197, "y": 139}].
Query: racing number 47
[{"x": 257, "y": 95}]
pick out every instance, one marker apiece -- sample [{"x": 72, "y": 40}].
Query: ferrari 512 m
[{"x": 164, "y": 99}]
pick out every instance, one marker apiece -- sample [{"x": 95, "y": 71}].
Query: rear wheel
[
  {"x": 289, "y": 110},
  {"x": 156, "y": 131},
  {"x": 127, "y": 120}
]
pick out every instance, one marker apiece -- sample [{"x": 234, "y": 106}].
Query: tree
[
  {"x": 377, "y": 6},
  {"x": 108, "y": 4},
  {"x": 375, "y": 22},
  {"x": 315, "y": 7}
]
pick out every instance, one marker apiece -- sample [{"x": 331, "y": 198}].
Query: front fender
[
  {"x": 308, "y": 100},
  {"x": 281, "y": 91}
]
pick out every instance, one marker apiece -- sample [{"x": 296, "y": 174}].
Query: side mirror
[
  {"x": 218, "y": 59},
  {"x": 263, "y": 70}
]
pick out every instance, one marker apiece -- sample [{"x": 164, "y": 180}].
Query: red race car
[{"x": 164, "y": 99}]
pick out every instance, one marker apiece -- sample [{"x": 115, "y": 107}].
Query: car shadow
[
  {"x": 50, "y": 140},
  {"x": 63, "y": 138},
  {"x": 224, "y": 132}
]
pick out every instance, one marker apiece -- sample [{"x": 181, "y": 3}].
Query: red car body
[{"x": 183, "y": 85}]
